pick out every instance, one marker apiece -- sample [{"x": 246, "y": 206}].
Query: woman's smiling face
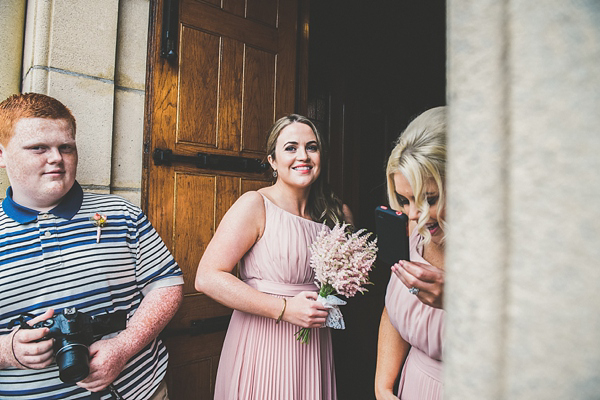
[
  {"x": 406, "y": 198},
  {"x": 297, "y": 156}
]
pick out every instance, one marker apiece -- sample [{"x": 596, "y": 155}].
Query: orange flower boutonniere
[{"x": 99, "y": 221}]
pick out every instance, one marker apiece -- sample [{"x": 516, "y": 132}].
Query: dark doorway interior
[{"x": 373, "y": 66}]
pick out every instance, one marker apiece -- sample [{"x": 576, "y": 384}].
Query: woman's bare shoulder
[
  {"x": 250, "y": 203},
  {"x": 252, "y": 197}
]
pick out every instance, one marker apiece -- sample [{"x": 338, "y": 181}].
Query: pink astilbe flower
[{"x": 342, "y": 261}]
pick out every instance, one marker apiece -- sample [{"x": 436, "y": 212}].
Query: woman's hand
[
  {"x": 304, "y": 310},
  {"x": 427, "y": 278}
]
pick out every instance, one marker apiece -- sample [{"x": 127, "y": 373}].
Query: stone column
[
  {"x": 91, "y": 55},
  {"x": 130, "y": 94},
  {"x": 523, "y": 249},
  {"x": 12, "y": 21},
  {"x": 70, "y": 51}
]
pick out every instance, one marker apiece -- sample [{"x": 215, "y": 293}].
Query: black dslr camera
[{"x": 73, "y": 331}]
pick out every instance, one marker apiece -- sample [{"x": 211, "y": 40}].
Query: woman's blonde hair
[
  {"x": 420, "y": 155},
  {"x": 323, "y": 204}
]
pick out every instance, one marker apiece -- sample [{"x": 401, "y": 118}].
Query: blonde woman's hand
[
  {"x": 428, "y": 279},
  {"x": 304, "y": 310}
]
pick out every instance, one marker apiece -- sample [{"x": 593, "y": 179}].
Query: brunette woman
[{"x": 268, "y": 231}]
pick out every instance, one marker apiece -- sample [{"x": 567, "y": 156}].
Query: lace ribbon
[{"x": 335, "y": 319}]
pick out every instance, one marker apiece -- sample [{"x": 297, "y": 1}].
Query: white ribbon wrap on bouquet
[{"x": 335, "y": 319}]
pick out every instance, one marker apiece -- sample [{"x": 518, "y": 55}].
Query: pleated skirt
[
  {"x": 421, "y": 377},
  {"x": 262, "y": 360}
]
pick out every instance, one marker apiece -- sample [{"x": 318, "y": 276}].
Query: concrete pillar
[
  {"x": 12, "y": 21},
  {"x": 70, "y": 48},
  {"x": 524, "y": 176}
]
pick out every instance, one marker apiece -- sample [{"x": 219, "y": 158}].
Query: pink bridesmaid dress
[
  {"x": 260, "y": 359},
  {"x": 422, "y": 326}
]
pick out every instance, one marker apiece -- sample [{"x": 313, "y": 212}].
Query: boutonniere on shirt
[{"x": 99, "y": 220}]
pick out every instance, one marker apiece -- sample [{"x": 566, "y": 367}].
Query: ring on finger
[{"x": 414, "y": 290}]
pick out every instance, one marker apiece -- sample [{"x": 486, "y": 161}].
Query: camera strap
[
  {"x": 113, "y": 391},
  {"x": 21, "y": 321}
]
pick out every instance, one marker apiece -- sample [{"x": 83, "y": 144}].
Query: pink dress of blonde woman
[
  {"x": 261, "y": 359},
  {"x": 422, "y": 326}
]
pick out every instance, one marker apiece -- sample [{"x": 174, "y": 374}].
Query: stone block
[
  {"x": 84, "y": 37},
  {"x": 91, "y": 102},
  {"x": 132, "y": 44},
  {"x": 4, "y": 183},
  {"x": 12, "y": 20},
  {"x": 128, "y": 139},
  {"x": 95, "y": 189},
  {"x": 133, "y": 196}
]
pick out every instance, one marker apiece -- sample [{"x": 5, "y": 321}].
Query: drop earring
[{"x": 274, "y": 174}]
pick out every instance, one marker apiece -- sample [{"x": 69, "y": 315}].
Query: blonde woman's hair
[{"x": 420, "y": 156}]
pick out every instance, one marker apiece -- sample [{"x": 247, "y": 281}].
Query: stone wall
[
  {"x": 91, "y": 55},
  {"x": 12, "y": 20}
]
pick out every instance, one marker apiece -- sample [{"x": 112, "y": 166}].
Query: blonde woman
[{"x": 411, "y": 329}]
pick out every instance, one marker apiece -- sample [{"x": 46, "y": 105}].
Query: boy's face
[{"x": 41, "y": 162}]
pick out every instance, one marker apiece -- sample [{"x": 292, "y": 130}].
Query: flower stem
[
  {"x": 326, "y": 290},
  {"x": 303, "y": 335}
]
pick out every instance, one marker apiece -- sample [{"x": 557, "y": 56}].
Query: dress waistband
[
  {"x": 428, "y": 365},
  {"x": 281, "y": 289}
]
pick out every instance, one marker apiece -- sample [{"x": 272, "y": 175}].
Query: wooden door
[{"x": 234, "y": 73}]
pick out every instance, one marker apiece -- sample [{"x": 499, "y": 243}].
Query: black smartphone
[{"x": 392, "y": 235}]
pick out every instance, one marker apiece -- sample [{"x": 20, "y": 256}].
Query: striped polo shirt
[{"x": 53, "y": 260}]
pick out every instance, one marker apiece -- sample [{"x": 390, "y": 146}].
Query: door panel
[
  {"x": 258, "y": 98},
  {"x": 198, "y": 88},
  {"x": 203, "y": 367},
  {"x": 230, "y": 104},
  {"x": 264, "y": 11},
  {"x": 193, "y": 221},
  {"x": 249, "y": 184},
  {"x": 234, "y": 75}
]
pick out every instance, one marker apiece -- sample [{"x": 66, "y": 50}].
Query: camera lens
[{"x": 73, "y": 362}]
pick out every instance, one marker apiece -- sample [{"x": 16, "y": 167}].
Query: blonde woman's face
[{"x": 406, "y": 198}]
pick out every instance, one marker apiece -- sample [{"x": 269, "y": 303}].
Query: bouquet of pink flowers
[{"x": 342, "y": 261}]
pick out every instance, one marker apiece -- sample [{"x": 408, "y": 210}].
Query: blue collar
[{"x": 67, "y": 208}]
